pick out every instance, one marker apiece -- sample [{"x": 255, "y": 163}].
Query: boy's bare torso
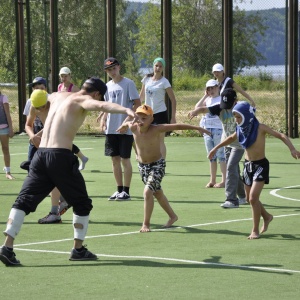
[
  {"x": 257, "y": 150},
  {"x": 147, "y": 143}
]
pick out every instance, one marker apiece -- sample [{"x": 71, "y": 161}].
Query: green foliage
[{"x": 188, "y": 81}]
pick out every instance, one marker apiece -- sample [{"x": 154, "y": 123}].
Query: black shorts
[
  {"x": 118, "y": 145},
  {"x": 160, "y": 118},
  {"x": 51, "y": 168},
  {"x": 256, "y": 171}
]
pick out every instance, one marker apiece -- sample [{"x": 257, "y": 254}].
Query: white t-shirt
[
  {"x": 155, "y": 93},
  {"x": 123, "y": 93},
  {"x": 209, "y": 120}
]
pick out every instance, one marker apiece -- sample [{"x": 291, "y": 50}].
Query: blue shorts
[
  {"x": 4, "y": 131},
  {"x": 212, "y": 140}
]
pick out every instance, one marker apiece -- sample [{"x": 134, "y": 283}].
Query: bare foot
[
  {"x": 219, "y": 185},
  {"x": 145, "y": 228},
  {"x": 170, "y": 222},
  {"x": 210, "y": 185},
  {"x": 265, "y": 226},
  {"x": 9, "y": 176},
  {"x": 253, "y": 236}
]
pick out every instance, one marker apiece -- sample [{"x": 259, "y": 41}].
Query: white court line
[
  {"x": 135, "y": 232},
  {"x": 174, "y": 260},
  {"x": 274, "y": 193}
]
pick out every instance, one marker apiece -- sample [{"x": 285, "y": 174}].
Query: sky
[{"x": 250, "y": 4}]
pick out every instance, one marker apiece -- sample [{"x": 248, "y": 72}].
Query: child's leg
[
  {"x": 213, "y": 173},
  {"x": 253, "y": 193},
  {"x": 163, "y": 148},
  {"x": 148, "y": 209},
  {"x": 164, "y": 203},
  {"x": 6, "y": 155}
]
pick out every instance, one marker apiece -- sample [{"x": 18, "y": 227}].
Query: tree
[{"x": 197, "y": 35}]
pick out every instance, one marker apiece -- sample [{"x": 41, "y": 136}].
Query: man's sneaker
[
  {"x": 51, "y": 218},
  {"x": 63, "y": 206},
  {"x": 229, "y": 204},
  {"x": 123, "y": 196},
  {"x": 113, "y": 196},
  {"x": 242, "y": 201},
  {"x": 83, "y": 162},
  {"x": 8, "y": 257},
  {"x": 85, "y": 254}
]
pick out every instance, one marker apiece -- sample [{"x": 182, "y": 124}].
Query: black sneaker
[
  {"x": 85, "y": 254},
  {"x": 8, "y": 257},
  {"x": 51, "y": 218}
]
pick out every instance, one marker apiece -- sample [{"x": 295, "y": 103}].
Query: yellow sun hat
[{"x": 38, "y": 98}]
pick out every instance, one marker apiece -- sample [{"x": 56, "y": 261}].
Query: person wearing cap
[
  {"x": 38, "y": 83},
  {"x": 54, "y": 164},
  {"x": 151, "y": 163},
  {"x": 66, "y": 85},
  {"x": 252, "y": 136},
  {"x": 234, "y": 188},
  {"x": 118, "y": 146},
  {"x": 213, "y": 123},
  {"x": 153, "y": 91},
  {"x": 6, "y": 132},
  {"x": 227, "y": 82}
]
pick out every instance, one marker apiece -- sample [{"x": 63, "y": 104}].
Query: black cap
[
  {"x": 98, "y": 84},
  {"x": 110, "y": 62},
  {"x": 38, "y": 80},
  {"x": 228, "y": 97}
]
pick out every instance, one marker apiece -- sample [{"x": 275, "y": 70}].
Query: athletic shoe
[
  {"x": 242, "y": 201},
  {"x": 229, "y": 204},
  {"x": 51, "y": 218},
  {"x": 83, "y": 162},
  {"x": 85, "y": 254},
  {"x": 8, "y": 257},
  {"x": 25, "y": 165},
  {"x": 123, "y": 196},
  {"x": 63, "y": 206},
  {"x": 113, "y": 196}
]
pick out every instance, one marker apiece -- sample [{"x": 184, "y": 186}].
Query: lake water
[{"x": 276, "y": 71}]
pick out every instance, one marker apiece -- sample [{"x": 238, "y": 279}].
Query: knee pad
[
  {"x": 80, "y": 225},
  {"x": 14, "y": 223}
]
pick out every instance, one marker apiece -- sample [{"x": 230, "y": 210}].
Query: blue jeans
[
  {"x": 234, "y": 185},
  {"x": 212, "y": 140}
]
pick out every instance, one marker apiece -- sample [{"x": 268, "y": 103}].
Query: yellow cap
[
  {"x": 145, "y": 109},
  {"x": 38, "y": 98}
]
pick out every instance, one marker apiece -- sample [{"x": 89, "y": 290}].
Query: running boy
[
  {"x": 252, "y": 136},
  {"x": 151, "y": 164}
]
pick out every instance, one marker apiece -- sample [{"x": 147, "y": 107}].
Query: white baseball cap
[
  {"x": 217, "y": 67},
  {"x": 211, "y": 83},
  {"x": 64, "y": 70}
]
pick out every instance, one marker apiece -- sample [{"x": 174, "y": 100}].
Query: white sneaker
[
  {"x": 228, "y": 204},
  {"x": 113, "y": 196},
  {"x": 83, "y": 162},
  {"x": 123, "y": 197},
  {"x": 242, "y": 201}
]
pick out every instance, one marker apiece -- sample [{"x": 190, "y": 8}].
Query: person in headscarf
[{"x": 252, "y": 136}]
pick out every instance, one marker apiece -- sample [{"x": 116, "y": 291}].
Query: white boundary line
[
  {"x": 274, "y": 193},
  {"x": 175, "y": 260}
]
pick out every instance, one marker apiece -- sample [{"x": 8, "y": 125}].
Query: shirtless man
[
  {"x": 252, "y": 136},
  {"x": 151, "y": 164},
  {"x": 54, "y": 165}
]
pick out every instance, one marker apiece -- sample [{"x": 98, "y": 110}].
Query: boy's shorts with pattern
[
  {"x": 257, "y": 170},
  {"x": 152, "y": 174}
]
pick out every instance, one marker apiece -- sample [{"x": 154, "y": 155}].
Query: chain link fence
[{"x": 259, "y": 48}]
